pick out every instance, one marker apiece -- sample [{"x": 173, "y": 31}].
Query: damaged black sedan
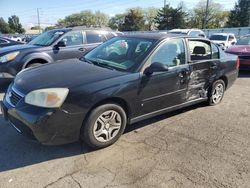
[{"x": 125, "y": 80}]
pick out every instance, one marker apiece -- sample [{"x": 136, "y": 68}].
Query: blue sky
[{"x": 52, "y": 10}]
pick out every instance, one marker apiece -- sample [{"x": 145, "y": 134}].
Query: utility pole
[
  {"x": 38, "y": 20},
  {"x": 164, "y": 7},
  {"x": 206, "y": 16}
]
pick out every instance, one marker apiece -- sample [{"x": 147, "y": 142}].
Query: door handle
[{"x": 82, "y": 49}]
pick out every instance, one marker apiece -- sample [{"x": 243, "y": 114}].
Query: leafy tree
[
  {"x": 240, "y": 15},
  {"x": 49, "y": 28},
  {"x": 216, "y": 17},
  {"x": 134, "y": 20},
  {"x": 150, "y": 14},
  {"x": 116, "y": 21},
  {"x": 84, "y": 18},
  {"x": 4, "y": 27},
  {"x": 36, "y": 28},
  {"x": 170, "y": 18},
  {"x": 15, "y": 24}
]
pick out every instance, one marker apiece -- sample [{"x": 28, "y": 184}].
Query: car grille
[{"x": 14, "y": 97}]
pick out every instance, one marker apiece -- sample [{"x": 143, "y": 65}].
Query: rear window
[{"x": 218, "y": 37}]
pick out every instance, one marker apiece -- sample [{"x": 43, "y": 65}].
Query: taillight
[{"x": 238, "y": 63}]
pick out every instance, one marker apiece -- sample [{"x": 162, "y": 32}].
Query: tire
[
  {"x": 216, "y": 93},
  {"x": 104, "y": 125},
  {"x": 35, "y": 64}
]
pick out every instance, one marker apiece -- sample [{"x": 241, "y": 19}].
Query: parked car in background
[
  {"x": 242, "y": 49},
  {"x": 95, "y": 98},
  {"x": 15, "y": 38},
  {"x": 52, "y": 46},
  {"x": 27, "y": 39},
  {"x": 225, "y": 40},
  {"x": 189, "y": 32},
  {"x": 7, "y": 42}
]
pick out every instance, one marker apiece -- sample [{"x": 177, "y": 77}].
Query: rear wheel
[
  {"x": 104, "y": 126},
  {"x": 216, "y": 92}
]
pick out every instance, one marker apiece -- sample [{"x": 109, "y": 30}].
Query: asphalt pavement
[{"x": 198, "y": 146}]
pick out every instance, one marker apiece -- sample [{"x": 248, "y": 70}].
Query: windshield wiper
[
  {"x": 86, "y": 60},
  {"x": 100, "y": 63}
]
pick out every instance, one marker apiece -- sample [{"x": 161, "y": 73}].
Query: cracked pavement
[{"x": 198, "y": 146}]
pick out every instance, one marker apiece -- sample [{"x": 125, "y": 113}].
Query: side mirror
[
  {"x": 233, "y": 43},
  {"x": 156, "y": 67},
  {"x": 202, "y": 35},
  {"x": 61, "y": 44}
]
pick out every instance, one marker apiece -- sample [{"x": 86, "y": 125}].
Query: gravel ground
[{"x": 198, "y": 146}]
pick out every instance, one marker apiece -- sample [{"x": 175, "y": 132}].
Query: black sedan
[
  {"x": 7, "y": 42},
  {"x": 124, "y": 80}
]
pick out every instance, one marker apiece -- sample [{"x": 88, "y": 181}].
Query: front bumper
[{"x": 47, "y": 126}]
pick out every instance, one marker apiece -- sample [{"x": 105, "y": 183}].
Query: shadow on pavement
[
  {"x": 17, "y": 151},
  {"x": 162, "y": 117}
]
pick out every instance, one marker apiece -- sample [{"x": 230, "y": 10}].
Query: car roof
[{"x": 158, "y": 36}]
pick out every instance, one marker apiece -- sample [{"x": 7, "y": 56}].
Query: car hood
[
  {"x": 67, "y": 74},
  {"x": 239, "y": 49},
  {"x": 19, "y": 47}
]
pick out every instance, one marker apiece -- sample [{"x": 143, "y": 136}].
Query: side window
[
  {"x": 199, "y": 50},
  {"x": 3, "y": 41},
  {"x": 94, "y": 37},
  {"x": 231, "y": 38},
  {"x": 73, "y": 38},
  {"x": 110, "y": 35},
  {"x": 171, "y": 53},
  {"x": 194, "y": 33},
  {"x": 215, "y": 52}
]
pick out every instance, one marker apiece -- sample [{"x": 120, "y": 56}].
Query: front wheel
[
  {"x": 104, "y": 126},
  {"x": 216, "y": 92}
]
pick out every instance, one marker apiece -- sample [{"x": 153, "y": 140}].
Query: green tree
[
  {"x": 150, "y": 14},
  {"x": 36, "y": 28},
  {"x": 134, "y": 20},
  {"x": 4, "y": 27},
  {"x": 216, "y": 17},
  {"x": 84, "y": 18},
  {"x": 116, "y": 22},
  {"x": 240, "y": 15},
  {"x": 170, "y": 18},
  {"x": 15, "y": 24}
]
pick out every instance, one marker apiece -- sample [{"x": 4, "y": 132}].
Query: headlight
[
  {"x": 8, "y": 57},
  {"x": 48, "y": 98}
]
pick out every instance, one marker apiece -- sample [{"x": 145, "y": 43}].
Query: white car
[
  {"x": 225, "y": 40},
  {"x": 15, "y": 38},
  {"x": 189, "y": 32}
]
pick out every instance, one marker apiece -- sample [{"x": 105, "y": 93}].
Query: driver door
[
  {"x": 162, "y": 90},
  {"x": 74, "y": 46}
]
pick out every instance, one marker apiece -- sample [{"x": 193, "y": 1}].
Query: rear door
[
  {"x": 202, "y": 67},
  {"x": 165, "y": 89}
]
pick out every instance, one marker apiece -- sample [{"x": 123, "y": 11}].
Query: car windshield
[
  {"x": 121, "y": 53},
  {"x": 245, "y": 40},
  {"x": 218, "y": 37},
  {"x": 46, "y": 38}
]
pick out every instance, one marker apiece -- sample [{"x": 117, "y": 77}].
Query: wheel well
[
  {"x": 224, "y": 78},
  {"x": 42, "y": 61},
  {"x": 115, "y": 100}
]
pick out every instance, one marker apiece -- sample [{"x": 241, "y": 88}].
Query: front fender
[{"x": 40, "y": 55}]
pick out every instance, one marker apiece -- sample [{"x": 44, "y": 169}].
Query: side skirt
[{"x": 165, "y": 110}]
